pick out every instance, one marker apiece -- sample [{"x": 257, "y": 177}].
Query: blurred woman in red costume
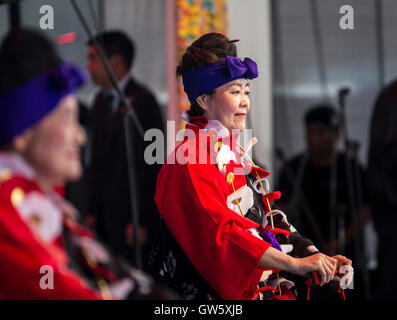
[{"x": 44, "y": 252}]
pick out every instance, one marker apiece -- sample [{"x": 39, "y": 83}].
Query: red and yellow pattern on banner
[{"x": 195, "y": 18}]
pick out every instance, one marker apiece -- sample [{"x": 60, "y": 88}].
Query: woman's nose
[
  {"x": 81, "y": 135},
  {"x": 245, "y": 101}
]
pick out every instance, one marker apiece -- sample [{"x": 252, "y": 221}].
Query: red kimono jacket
[
  {"x": 46, "y": 254},
  {"x": 192, "y": 199},
  {"x": 26, "y": 258}
]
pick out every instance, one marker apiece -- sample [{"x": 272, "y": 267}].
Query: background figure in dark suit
[
  {"x": 382, "y": 173},
  {"x": 110, "y": 207}
]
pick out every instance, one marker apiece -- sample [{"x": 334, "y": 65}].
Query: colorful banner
[{"x": 195, "y": 18}]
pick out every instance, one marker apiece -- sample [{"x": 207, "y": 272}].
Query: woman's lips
[{"x": 242, "y": 115}]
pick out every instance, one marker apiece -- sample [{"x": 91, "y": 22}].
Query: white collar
[
  {"x": 16, "y": 164},
  {"x": 211, "y": 125},
  {"x": 122, "y": 84}
]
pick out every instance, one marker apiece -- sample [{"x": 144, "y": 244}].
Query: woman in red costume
[
  {"x": 220, "y": 237},
  {"x": 44, "y": 252}
]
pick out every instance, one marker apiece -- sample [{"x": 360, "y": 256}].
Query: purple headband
[
  {"x": 208, "y": 78},
  {"x": 27, "y": 104}
]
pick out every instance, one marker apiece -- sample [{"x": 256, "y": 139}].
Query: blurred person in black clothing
[
  {"x": 318, "y": 210},
  {"x": 382, "y": 173},
  {"x": 110, "y": 208}
]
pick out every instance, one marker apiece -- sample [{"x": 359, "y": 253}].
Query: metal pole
[
  {"x": 14, "y": 15},
  {"x": 379, "y": 43}
]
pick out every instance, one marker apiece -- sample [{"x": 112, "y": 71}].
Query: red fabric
[
  {"x": 317, "y": 281},
  {"x": 199, "y": 121},
  {"x": 191, "y": 198},
  {"x": 341, "y": 291},
  {"x": 268, "y": 198},
  {"x": 267, "y": 288},
  {"x": 276, "y": 231},
  {"x": 262, "y": 173},
  {"x": 22, "y": 256},
  {"x": 286, "y": 294},
  {"x": 61, "y": 190},
  {"x": 317, "y": 277},
  {"x": 308, "y": 283}
]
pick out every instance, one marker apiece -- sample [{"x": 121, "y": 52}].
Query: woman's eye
[{"x": 236, "y": 92}]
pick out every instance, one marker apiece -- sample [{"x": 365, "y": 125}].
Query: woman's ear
[
  {"x": 202, "y": 101},
  {"x": 21, "y": 142}
]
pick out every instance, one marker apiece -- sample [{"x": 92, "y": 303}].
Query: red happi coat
[
  {"x": 26, "y": 257},
  {"x": 192, "y": 200}
]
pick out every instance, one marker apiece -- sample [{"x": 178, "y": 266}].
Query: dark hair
[
  {"x": 24, "y": 53},
  {"x": 208, "y": 49},
  {"x": 322, "y": 113},
  {"x": 116, "y": 42}
]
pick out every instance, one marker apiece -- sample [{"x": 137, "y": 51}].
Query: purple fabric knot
[{"x": 246, "y": 69}]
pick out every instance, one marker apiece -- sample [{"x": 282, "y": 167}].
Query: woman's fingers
[
  {"x": 344, "y": 259},
  {"x": 331, "y": 263},
  {"x": 326, "y": 268},
  {"x": 331, "y": 266},
  {"x": 324, "y": 265},
  {"x": 323, "y": 274}
]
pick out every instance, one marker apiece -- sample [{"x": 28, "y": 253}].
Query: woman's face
[
  {"x": 54, "y": 144},
  {"x": 229, "y": 104}
]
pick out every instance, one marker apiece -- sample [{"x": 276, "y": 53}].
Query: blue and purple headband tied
[
  {"x": 26, "y": 105},
  {"x": 208, "y": 78}
]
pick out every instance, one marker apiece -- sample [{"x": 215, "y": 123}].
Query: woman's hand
[
  {"x": 343, "y": 259},
  {"x": 319, "y": 262},
  {"x": 324, "y": 265},
  {"x": 345, "y": 271}
]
